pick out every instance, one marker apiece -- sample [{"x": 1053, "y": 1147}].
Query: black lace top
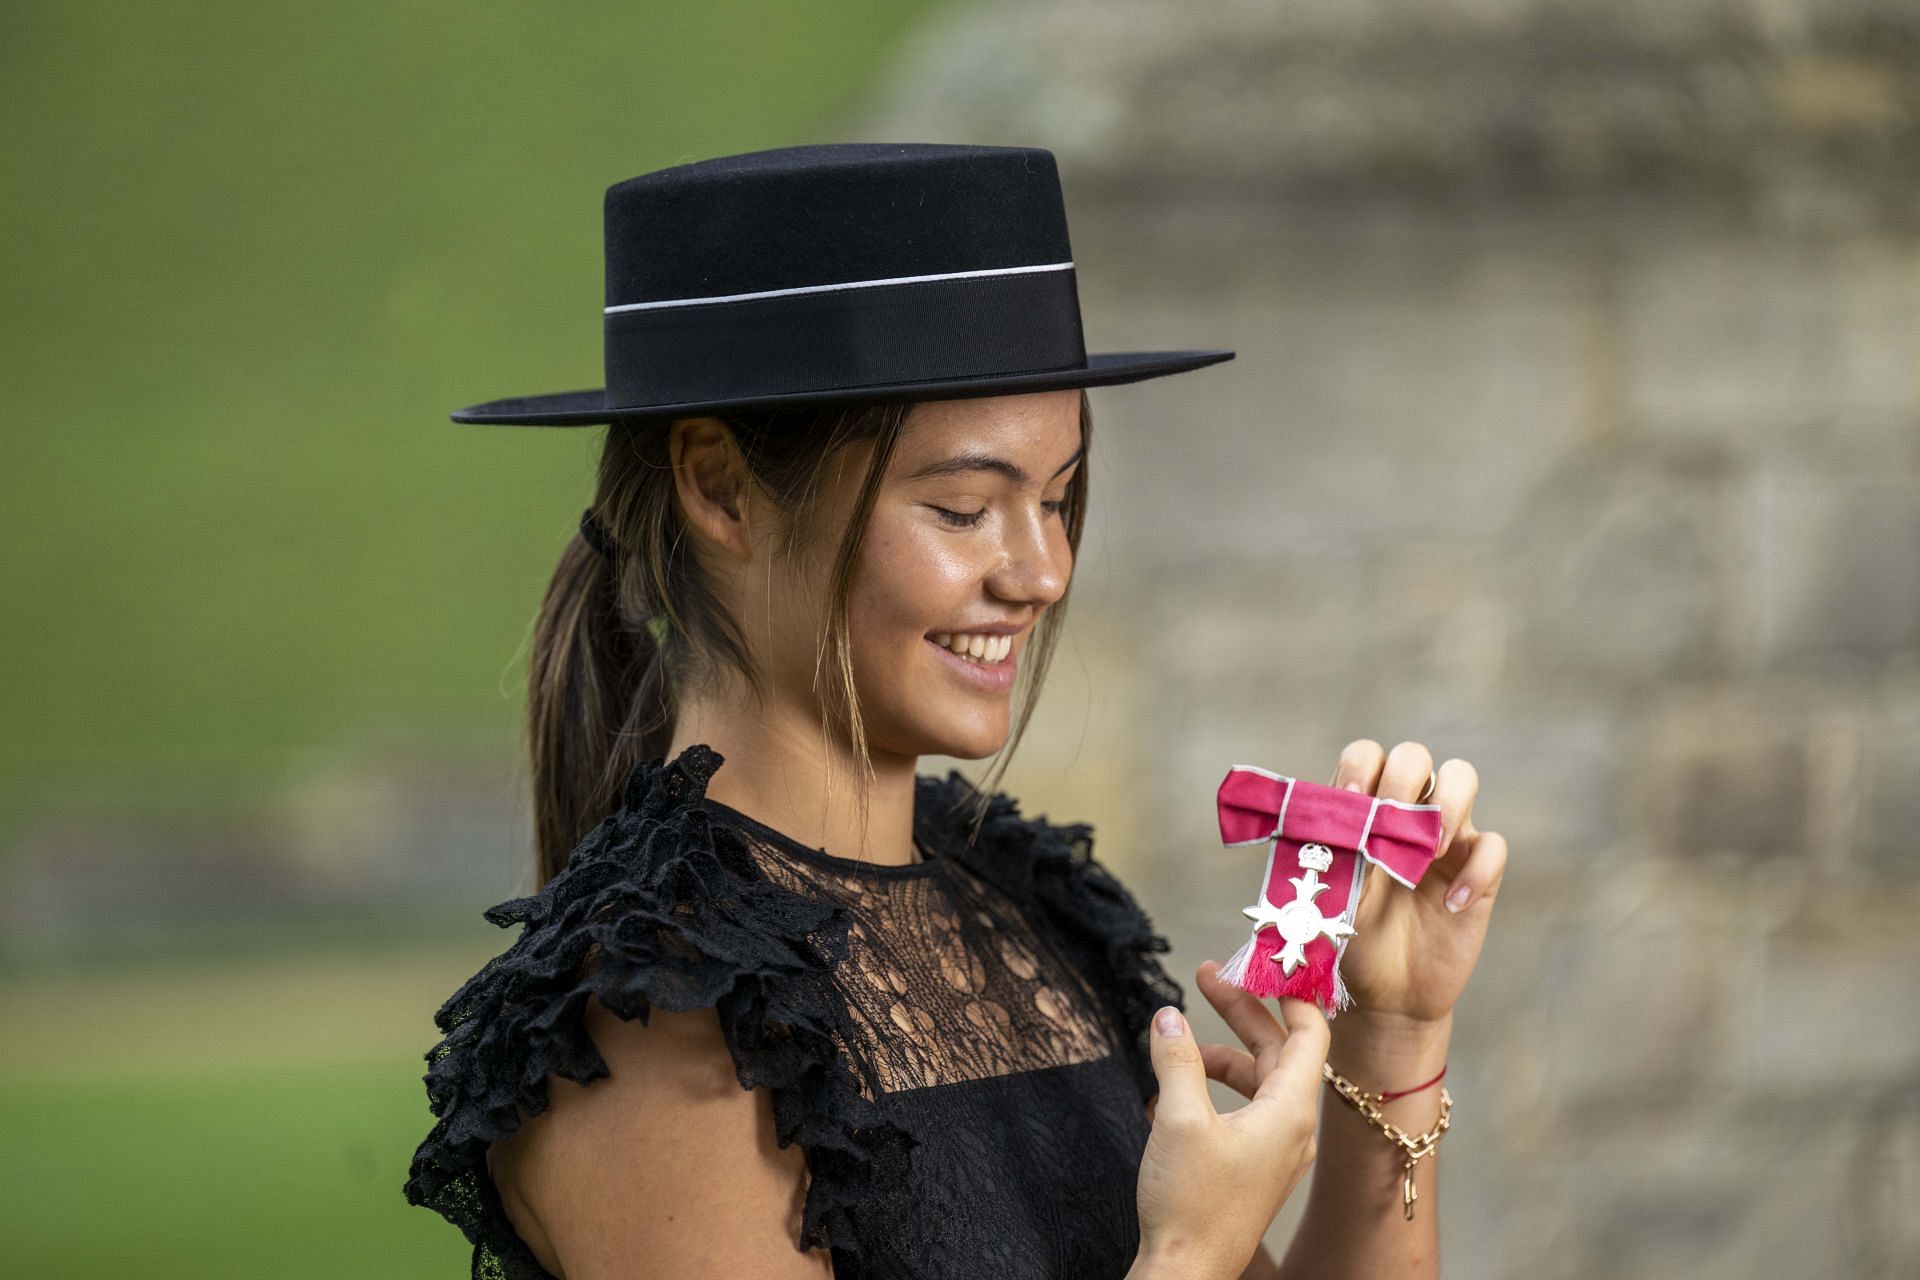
[{"x": 959, "y": 1045}]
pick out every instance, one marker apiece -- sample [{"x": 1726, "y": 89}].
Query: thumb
[
  {"x": 1296, "y": 1073},
  {"x": 1178, "y": 1066}
]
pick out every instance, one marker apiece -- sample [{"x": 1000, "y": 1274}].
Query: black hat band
[{"x": 859, "y": 333}]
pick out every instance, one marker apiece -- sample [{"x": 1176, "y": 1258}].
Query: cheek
[{"x": 910, "y": 580}]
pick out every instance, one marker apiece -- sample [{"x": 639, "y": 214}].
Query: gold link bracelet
[{"x": 1416, "y": 1147}]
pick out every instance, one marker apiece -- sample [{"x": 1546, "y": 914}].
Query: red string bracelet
[
  {"x": 1389, "y": 1097},
  {"x": 1416, "y": 1146}
]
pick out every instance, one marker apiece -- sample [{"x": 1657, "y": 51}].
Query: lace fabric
[{"x": 959, "y": 1045}]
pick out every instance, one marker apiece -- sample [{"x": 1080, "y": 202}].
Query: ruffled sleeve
[
  {"x": 657, "y": 906},
  {"x": 1104, "y": 931}
]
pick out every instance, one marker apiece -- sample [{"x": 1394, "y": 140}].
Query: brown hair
[{"x": 603, "y": 685}]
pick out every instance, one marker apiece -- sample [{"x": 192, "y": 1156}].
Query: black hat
[{"x": 835, "y": 272}]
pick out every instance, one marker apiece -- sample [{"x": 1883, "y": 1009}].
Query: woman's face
[{"x": 966, "y": 549}]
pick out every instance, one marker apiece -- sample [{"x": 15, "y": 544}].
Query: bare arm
[
  {"x": 665, "y": 1168},
  {"x": 1355, "y": 1225}
]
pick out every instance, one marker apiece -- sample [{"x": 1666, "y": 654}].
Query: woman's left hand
[{"x": 1414, "y": 950}]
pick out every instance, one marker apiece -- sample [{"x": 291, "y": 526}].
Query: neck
[{"x": 779, "y": 771}]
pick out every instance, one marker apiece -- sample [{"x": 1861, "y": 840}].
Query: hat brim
[{"x": 587, "y": 408}]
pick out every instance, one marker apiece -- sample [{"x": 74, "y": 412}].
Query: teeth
[{"x": 977, "y": 647}]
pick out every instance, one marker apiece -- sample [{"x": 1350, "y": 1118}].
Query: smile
[
  {"x": 979, "y": 646},
  {"x": 986, "y": 664}
]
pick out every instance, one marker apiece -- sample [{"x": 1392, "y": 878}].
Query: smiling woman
[
  {"x": 816, "y": 1013},
  {"x": 814, "y": 516}
]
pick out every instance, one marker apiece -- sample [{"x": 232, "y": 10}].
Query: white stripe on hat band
[{"x": 845, "y": 284}]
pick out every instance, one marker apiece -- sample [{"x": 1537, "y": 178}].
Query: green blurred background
[{"x": 254, "y": 255}]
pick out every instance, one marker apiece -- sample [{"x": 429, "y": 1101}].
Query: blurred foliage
[
  {"x": 210, "y": 1119},
  {"x": 291, "y": 1174},
  {"x": 255, "y": 254}
]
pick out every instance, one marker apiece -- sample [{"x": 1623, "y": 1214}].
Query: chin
[
  {"x": 978, "y": 747},
  {"x": 963, "y": 741},
  {"x": 910, "y": 714}
]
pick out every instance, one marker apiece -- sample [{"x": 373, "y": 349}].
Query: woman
[{"x": 781, "y": 1005}]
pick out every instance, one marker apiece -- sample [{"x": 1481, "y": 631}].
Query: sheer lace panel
[{"x": 945, "y": 980}]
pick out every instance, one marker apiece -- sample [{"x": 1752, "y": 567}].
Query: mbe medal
[{"x": 1320, "y": 841}]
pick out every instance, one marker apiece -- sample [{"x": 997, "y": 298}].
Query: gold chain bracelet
[{"x": 1417, "y": 1147}]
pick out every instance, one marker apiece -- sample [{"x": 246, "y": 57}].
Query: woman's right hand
[{"x": 1211, "y": 1183}]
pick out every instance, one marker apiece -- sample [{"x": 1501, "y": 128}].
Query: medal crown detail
[{"x": 1315, "y": 857}]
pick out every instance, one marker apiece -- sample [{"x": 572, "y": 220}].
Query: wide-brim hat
[{"x": 837, "y": 272}]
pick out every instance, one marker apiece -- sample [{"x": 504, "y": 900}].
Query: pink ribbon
[{"x": 1258, "y": 807}]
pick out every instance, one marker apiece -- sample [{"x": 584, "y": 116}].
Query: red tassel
[{"x": 1263, "y": 976}]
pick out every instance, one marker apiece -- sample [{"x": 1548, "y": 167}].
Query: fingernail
[
  {"x": 1171, "y": 1023},
  {"x": 1350, "y": 786},
  {"x": 1457, "y": 897}
]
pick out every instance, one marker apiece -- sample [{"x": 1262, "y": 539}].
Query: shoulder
[
  {"x": 647, "y": 1162},
  {"x": 658, "y": 909},
  {"x": 1051, "y": 869}
]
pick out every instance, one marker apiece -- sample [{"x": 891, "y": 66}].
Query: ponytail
[{"x": 598, "y": 702}]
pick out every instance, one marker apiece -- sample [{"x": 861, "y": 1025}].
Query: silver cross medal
[{"x": 1299, "y": 922}]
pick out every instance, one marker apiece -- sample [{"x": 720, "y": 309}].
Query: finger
[
  {"x": 1405, "y": 773},
  {"x": 1480, "y": 877},
  {"x": 1456, "y": 788},
  {"x": 1296, "y": 1072},
  {"x": 1245, "y": 1014},
  {"x": 1359, "y": 768},
  {"x": 1179, "y": 1068},
  {"x": 1231, "y": 1066}
]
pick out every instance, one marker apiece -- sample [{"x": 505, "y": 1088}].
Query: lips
[{"x": 989, "y": 677}]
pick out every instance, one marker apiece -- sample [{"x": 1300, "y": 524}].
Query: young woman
[{"x": 781, "y": 1005}]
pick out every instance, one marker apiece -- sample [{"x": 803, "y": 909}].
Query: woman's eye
[
  {"x": 968, "y": 519},
  {"x": 961, "y": 519}
]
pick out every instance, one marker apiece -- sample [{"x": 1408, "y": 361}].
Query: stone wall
[{"x": 1576, "y": 431}]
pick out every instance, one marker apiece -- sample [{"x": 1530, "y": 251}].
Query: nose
[{"x": 1035, "y": 562}]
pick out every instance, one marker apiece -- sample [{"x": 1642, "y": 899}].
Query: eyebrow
[{"x": 962, "y": 463}]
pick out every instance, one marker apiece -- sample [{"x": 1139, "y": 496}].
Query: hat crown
[
  {"x": 831, "y": 213},
  {"x": 832, "y": 273}
]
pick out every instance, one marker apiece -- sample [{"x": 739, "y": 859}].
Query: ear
[{"x": 711, "y": 481}]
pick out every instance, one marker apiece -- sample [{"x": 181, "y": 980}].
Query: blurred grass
[
  {"x": 254, "y": 256},
  {"x": 218, "y": 1120},
  {"x": 292, "y": 1174}
]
